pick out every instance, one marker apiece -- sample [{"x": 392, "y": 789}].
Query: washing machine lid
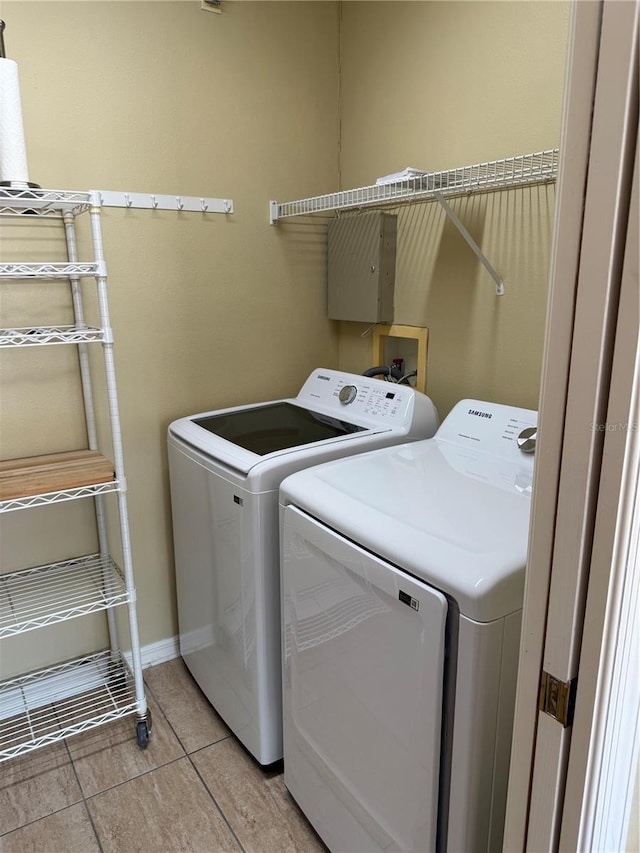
[
  {"x": 243, "y": 437},
  {"x": 274, "y": 426},
  {"x": 249, "y": 437},
  {"x": 446, "y": 510}
]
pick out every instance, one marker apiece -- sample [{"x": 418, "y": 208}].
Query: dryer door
[{"x": 364, "y": 651}]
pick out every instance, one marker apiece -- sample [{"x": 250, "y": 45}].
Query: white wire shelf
[
  {"x": 526, "y": 169},
  {"x": 47, "y": 335},
  {"x": 32, "y": 501},
  {"x": 44, "y": 707},
  {"x": 48, "y": 270},
  {"x": 57, "y": 592},
  {"x": 14, "y": 202}
]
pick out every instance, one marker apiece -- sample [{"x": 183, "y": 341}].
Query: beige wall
[
  {"x": 208, "y": 312},
  {"x": 436, "y": 85}
]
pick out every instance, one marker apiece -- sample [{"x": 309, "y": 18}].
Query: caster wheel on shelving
[{"x": 142, "y": 734}]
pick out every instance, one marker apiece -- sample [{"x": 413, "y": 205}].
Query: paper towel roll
[{"x": 13, "y": 154}]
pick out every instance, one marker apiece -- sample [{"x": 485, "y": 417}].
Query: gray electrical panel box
[{"x": 361, "y": 268}]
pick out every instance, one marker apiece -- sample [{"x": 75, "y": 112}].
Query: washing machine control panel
[{"x": 369, "y": 401}]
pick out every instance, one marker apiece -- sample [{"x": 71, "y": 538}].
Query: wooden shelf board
[{"x": 36, "y": 475}]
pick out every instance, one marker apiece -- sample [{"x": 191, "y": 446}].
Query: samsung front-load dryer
[
  {"x": 403, "y": 576},
  {"x": 225, "y": 470}
]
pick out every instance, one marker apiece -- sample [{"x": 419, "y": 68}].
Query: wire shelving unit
[
  {"x": 40, "y": 708},
  {"x": 507, "y": 173}
]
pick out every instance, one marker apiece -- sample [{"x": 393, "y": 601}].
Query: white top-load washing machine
[
  {"x": 225, "y": 470},
  {"x": 403, "y": 577}
]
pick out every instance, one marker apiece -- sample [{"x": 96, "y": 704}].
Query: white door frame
[
  {"x": 597, "y": 154},
  {"x": 605, "y": 743}
]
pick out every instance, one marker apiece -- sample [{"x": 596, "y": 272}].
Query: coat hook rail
[{"x": 153, "y": 201}]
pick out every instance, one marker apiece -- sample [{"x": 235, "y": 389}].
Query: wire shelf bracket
[{"x": 470, "y": 242}]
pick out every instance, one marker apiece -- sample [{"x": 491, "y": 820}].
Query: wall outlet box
[{"x": 361, "y": 267}]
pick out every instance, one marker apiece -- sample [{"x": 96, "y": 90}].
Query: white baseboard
[
  {"x": 155, "y": 653},
  {"x": 160, "y": 652}
]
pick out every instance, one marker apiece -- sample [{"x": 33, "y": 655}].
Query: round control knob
[
  {"x": 527, "y": 439},
  {"x": 347, "y": 394}
]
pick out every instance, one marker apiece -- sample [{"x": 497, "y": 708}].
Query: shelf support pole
[
  {"x": 90, "y": 412},
  {"x": 472, "y": 243}
]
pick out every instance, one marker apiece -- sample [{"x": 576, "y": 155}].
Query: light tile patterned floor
[{"x": 193, "y": 789}]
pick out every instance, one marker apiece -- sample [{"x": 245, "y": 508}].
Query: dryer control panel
[
  {"x": 491, "y": 442},
  {"x": 489, "y": 427}
]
